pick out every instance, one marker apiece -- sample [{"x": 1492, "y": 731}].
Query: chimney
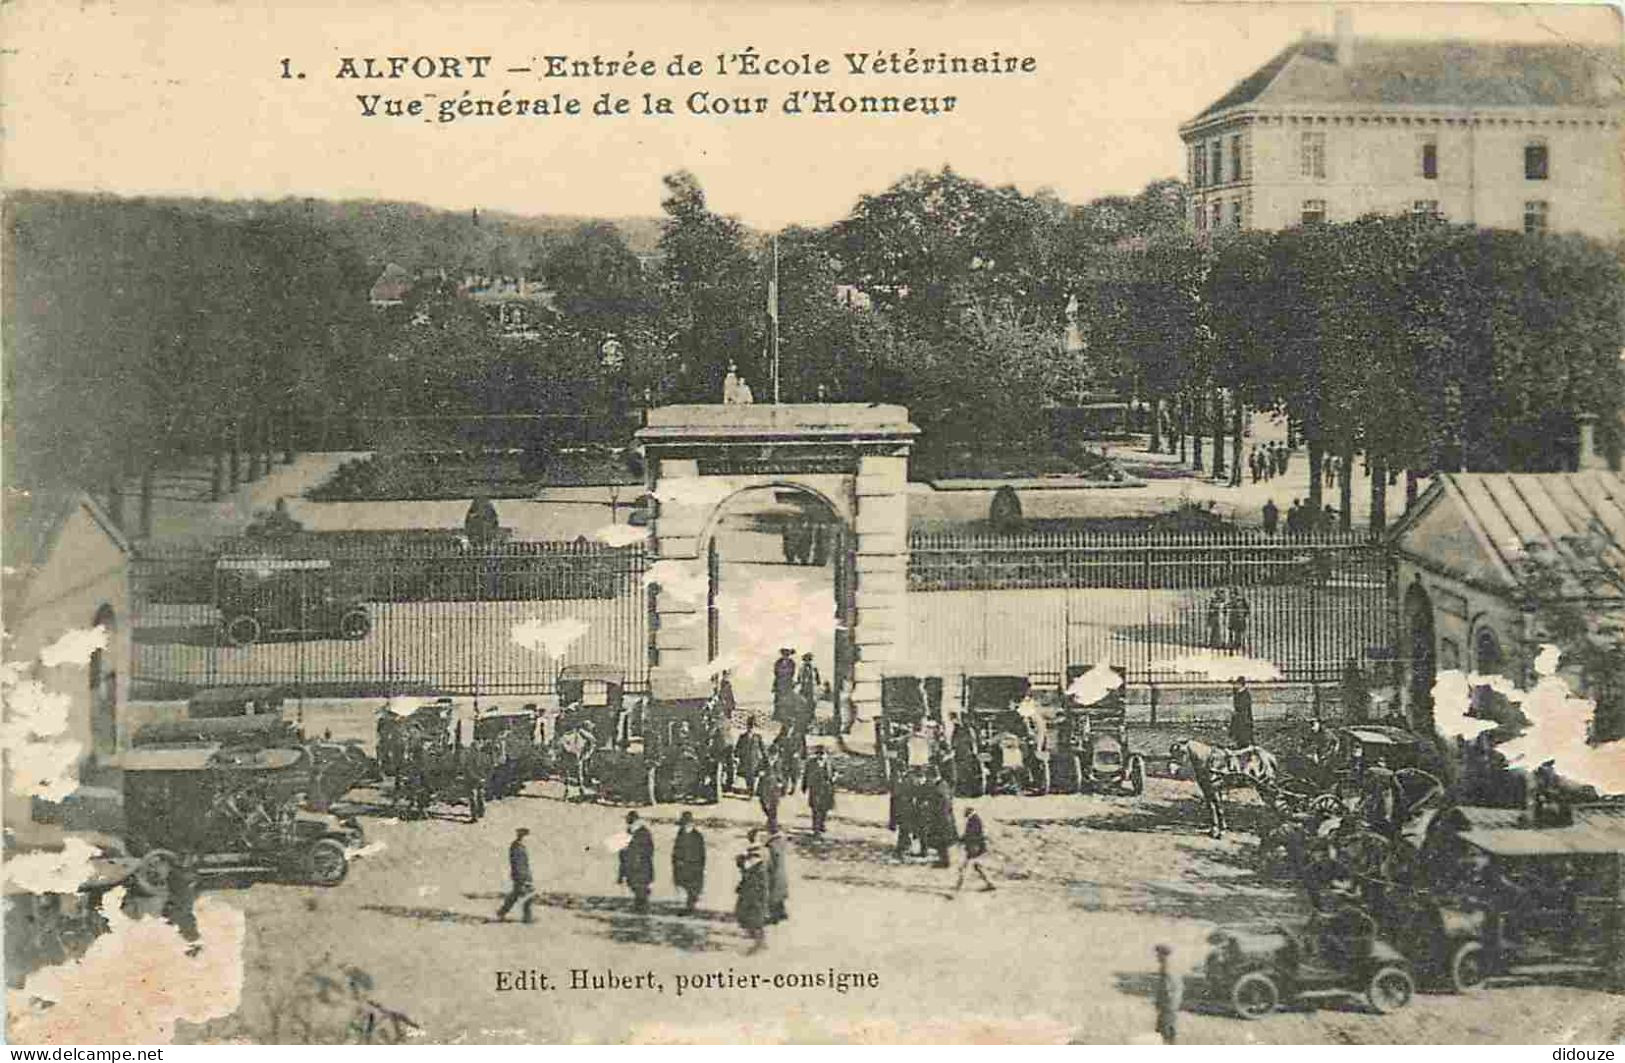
[
  {"x": 1587, "y": 456},
  {"x": 1343, "y": 32}
]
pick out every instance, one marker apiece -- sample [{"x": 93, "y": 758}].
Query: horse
[{"x": 1215, "y": 768}]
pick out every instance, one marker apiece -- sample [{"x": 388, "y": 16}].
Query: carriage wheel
[
  {"x": 1136, "y": 775},
  {"x": 1389, "y": 989},
  {"x": 242, "y": 630},
  {"x": 1254, "y": 995},
  {"x": 355, "y": 624},
  {"x": 326, "y": 863},
  {"x": 1467, "y": 967},
  {"x": 152, "y": 874}
]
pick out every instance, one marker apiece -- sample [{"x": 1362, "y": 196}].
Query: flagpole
[{"x": 775, "y": 319}]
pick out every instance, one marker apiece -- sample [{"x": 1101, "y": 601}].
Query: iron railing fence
[
  {"x": 1148, "y": 601},
  {"x": 360, "y": 616}
]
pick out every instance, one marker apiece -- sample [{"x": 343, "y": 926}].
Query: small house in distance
[
  {"x": 66, "y": 568},
  {"x": 1464, "y": 554}
]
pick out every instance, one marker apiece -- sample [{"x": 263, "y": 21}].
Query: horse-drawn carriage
[
  {"x": 1090, "y": 749},
  {"x": 909, "y": 729},
  {"x": 600, "y": 739},
  {"x": 510, "y": 741},
  {"x": 1009, "y": 750},
  {"x": 684, "y": 750}
]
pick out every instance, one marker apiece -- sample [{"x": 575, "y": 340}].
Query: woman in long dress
[{"x": 750, "y": 909}]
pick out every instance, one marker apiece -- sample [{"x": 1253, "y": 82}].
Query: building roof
[
  {"x": 33, "y": 518},
  {"x": 1430, "y": 73},
  {"x": 1483, "y": 527}
]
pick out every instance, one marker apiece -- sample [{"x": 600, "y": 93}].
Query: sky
[{"x": 187, "y": 97}]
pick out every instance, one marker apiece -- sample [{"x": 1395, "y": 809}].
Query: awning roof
[{"x": 173, "y": 758}]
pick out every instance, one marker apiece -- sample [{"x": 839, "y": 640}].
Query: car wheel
[
  {"x": 1254, "y": 995},
  {"x": 1389, "y": 989},
  {"x": 355, "y": 624},
  {"x": 326, "y": 863},
  {"x": 242, "y": 630},
  {"x": 1467, "y": 967},
  {"x": 1136, "y": 775},
  {"x": 152, "y": 875}
]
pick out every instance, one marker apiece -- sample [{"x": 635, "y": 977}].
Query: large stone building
[{"x": 1506, "y": 136}]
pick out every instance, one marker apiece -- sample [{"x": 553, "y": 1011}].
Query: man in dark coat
[
  {"x": 1240, "y": 610},
  {"x": 750, "y": 907},
  {"x": 904, "y": 816},
  {"x": 975, "y": 841},
  {"x": 808, "y": 683},
  {"x": 749, "y": 754},
  {"x": 1272, "y": 516},
  {"x": 637, "y": 860},
  {"x": 778, "y": 875},
  {"x": 1215, "y": 619},
  {"x": 819, "y": 785},
  {"x": 784, "y": 686},
  {"x": 1241, "y": 716},
  {"x": 524, "y": 886},
  {"x": 940, "y": 831},
  {"x": 476, "y": 777},
  {"x": 769, "y": 790},
  {"x": 688, "y": 860}
]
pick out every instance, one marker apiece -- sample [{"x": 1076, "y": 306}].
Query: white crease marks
[
  {"x": 44, "y": 760},
  {"x": 686, "y": 581},
  {"x": 75, "y": 647},
  {"x": 59, "y": 871},
  {"x": 1558, "y": 724},
  {"x": 134, "y": 983},
  {"x": 553, "y": 637},
  {"x": 1094, "y": 684},
  {"x": 694, "y": 492},
  {"x": 620, "y": 534},
  {"x": 768, "y": 614},
  {"x": 1221, "y": 667}
]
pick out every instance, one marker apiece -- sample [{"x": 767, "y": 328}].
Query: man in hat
[
  {"x": 637, "y": 862},
  {"x": 749, "y": 754},
  {"x": 778, "y": 875},
  {"x": 1241, "y": 715},
  {"x": 808, "y": 683},
  {"x": 750, "y": 907},
  {"x": 688, "y": 860},
  {"x": 784, "y": 686},
  {"x": 819, "y": 785},
  {"x": 769, "y": 790},
  {"x": 524, "y": 886},
  {"x": 974, "y": 839}
]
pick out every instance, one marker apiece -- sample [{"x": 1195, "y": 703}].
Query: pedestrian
[
  {"x": 750, "y": 904},
  {"x": 476, "y": 777},
  {"x": 1294, "y": 518},
  {"x": 688, "y": 860},
  {"x": 1328, "y": 517},
  {"x": 974, "y": 841},
  {"x": 1240, "y": 611},
  {"x": 1356, "y": 694},
  {"x": 749, "y": 753},
  {"x": 1170, "y": 995},
  {"x": 523, "y": 884},
  {"x": 1272, "y": 516},
  {"x": 784, "y": 685},
  {"x": 1241, "y": 715},
  {"x": 941, "y": 831},
  {"x": 819, "y": 785},
  {"x": 808, "y": 684},
  {"x": 637, "y": 862},
  {"x": 1215, "y": 619},
  {"x": 902, "y": 811},
  {"x": 778, "y": 875},
  {"x": 769, "y": 791}
]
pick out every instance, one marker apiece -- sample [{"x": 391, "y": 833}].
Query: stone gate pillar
[{"x": 854, "y": 456}]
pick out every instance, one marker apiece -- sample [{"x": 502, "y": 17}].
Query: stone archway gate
[{"x": 852, "y": 455}]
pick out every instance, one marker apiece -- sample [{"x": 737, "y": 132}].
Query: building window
[
  {"x": 1535, "y": 216},
  {"x": 1314, "y": 211},
  {"x": 1430, "y": 159},
  {"x": 1536, "y": 163},
  {"x": 1425, "y": 208},
  {"x": 1201, "y": 217},
  {"x": 1312, "y": 155},
  {"x": 1235, "y": 158},
  {"x": 1198, "y": 166},
  {"x": 1218, "y": 211},
  {"x": 1235, "y": 213},
  {"x": 1216, "y": 161}
]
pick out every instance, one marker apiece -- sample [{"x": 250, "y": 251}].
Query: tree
[{"x": 713, "y": 306}]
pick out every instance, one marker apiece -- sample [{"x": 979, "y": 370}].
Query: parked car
[
  {"x": 1011, "y": 748},
  {"x": 260, "y": 596},
  {"x": 1089, "y": 750},
  {"x": 910, "y": 705},
  {"x": 1340, "y": 953},
  {"x": 235, "y": 809}
]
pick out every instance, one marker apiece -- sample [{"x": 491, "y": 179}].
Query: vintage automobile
[
  {"x": 517, "y": 752},
  {"x": 593, "y": 699},
  {"x": 1338, "y": 953},
  {"x": 232, "y": 808},
  {"x": 1011, "y": 750},
  {"x": 910, "y": 706},
  {"x": 683, "y": 750},
  {"x": 1507, "y": 899},
  {"x": 216, "y": 702},
  {"x": 1089, "y": 748},
  {"x": 259, "y": 596}
]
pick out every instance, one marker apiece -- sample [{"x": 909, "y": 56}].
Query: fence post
[{"x": 1153, "y": 704}]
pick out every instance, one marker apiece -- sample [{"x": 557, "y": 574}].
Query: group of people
[
  {"x": 1227, "y": 613},
  {"x": 1301, "y": 518},
  {"x": 1268, "y": 460},
  {"x": 807, "y": 542},
  {"x": 796, "y": 690}
]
